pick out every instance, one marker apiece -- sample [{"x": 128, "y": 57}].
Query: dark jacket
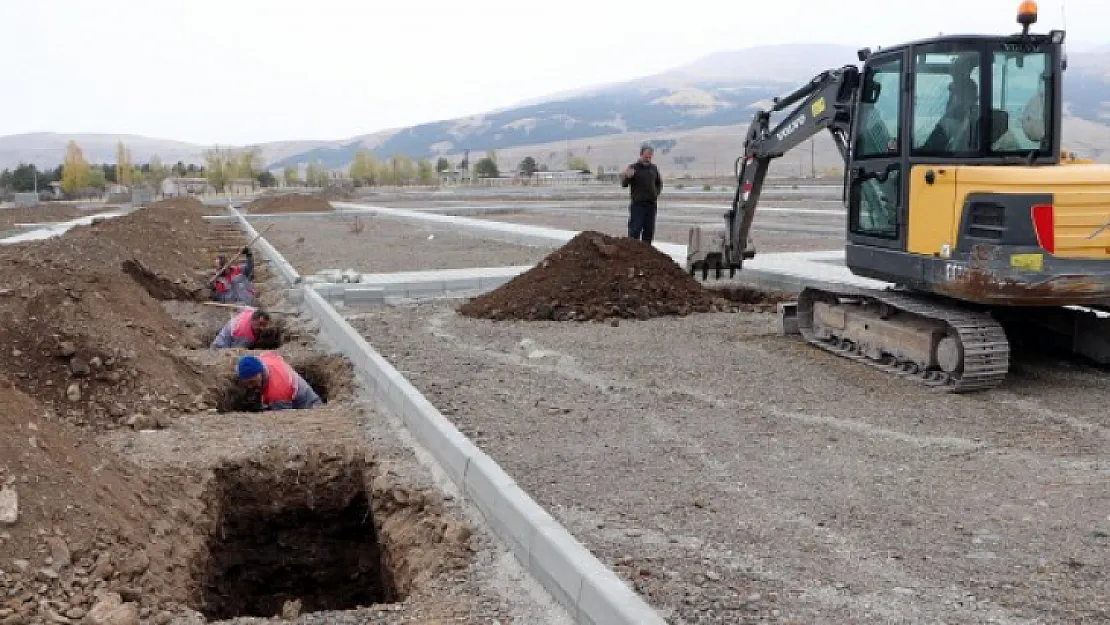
[{"x": 646, "y": 183}]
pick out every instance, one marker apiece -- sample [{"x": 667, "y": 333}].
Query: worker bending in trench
[
  {"x": 243, "y": 330},
  {"x": 280, "y": 387}
]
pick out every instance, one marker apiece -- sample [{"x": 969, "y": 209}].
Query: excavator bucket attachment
[{"x": 706, "y": 250}]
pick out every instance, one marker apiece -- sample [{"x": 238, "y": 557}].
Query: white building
[{"x": 178, "y": 186}]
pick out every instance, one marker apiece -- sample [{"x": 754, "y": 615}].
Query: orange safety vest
[
  {"x": 223, "y": 281},
  {"x": 281, "y": 379},
  {"x": 241, "y": 325}
]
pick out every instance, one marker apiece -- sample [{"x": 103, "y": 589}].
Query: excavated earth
[
  {"x": 598, "y": 277},
  {"x": 135, "y": 489},
  {"x": 289, "y": 203},
  {"x": 11, "y": 217},
  {"x": 80, "y": 320}
]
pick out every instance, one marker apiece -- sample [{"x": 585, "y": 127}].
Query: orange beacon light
[{"x": 1027, "y": 14}]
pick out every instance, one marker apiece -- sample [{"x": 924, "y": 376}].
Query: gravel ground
[
  {"x": 671, "y": 232},
  {"x": 748, "y": 477},
  {"x": 388, "y": 245}
]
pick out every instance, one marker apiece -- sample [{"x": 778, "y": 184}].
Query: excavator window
[
  {"x": 1019, "y": 102},
  {"x": 877, "y": 188},
  {"x": 946, "y": 103},
  {"x": 880, "y": 110},
  {"x": 878, "y": 200}
]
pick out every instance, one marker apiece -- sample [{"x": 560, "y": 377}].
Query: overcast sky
[{"x": 244, "y": 71}]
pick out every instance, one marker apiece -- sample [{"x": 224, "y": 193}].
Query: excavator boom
[{"x": 826, "y": 103}]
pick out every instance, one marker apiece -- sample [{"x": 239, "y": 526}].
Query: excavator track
[{"x": 977, "y": 339}]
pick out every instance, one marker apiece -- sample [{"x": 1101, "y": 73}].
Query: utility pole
[{"x": 812, "y": 161}]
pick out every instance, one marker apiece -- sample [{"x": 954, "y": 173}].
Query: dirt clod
[
  {"x": 599, "y": 277},
  {"x": 111, "y": 610},
  {"x": 9, "y": 506}
]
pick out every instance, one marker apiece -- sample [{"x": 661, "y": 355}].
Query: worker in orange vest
[
  {"x": 281, "y": 387},
  {"x": 235, "y": 284},
  {"x": 243, "y": 330}
]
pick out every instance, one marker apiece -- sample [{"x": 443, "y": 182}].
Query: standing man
[{"x": 643, "y": 176}]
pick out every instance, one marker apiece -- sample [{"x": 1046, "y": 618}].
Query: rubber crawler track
[{"x": 985, "y": 347}]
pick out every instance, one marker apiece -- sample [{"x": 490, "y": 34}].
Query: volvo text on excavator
[{"x": 956, "y": 195}]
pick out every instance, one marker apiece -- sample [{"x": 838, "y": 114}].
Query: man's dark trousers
[{"x": 641, "y": 220}]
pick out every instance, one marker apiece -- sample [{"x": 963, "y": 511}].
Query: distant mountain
[
  {"x": 46, "y": 149},
  {"x": 719, "y": 91},
  {"x": 696, "y": 112}
]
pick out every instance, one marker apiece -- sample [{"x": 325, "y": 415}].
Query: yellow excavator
[{"x": 957, "y": 194}]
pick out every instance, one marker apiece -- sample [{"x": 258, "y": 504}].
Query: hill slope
[{"x": 698, "y": 111}]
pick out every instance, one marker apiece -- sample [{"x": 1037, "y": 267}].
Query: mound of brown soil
[
  {"x": 338, "y": 194},
  {"x": 290, "y": 203},
  {"x": 87, "y": 522},
  {"x": 46, "y": 211},
  {"x": 596, "y": 277},
  {"x": 80, "y": 327}
]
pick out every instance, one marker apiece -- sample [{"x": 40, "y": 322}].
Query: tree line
[
  {"x": 367, "y": 170},
  {"x": 27, "y": 177},
  {"x": 222, "y": 167}
]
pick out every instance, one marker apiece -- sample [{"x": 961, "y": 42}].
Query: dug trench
[
  {"x": 316, "y": 530},
  {"x": 95, "y": 350},
  {"x": 330, "y": 377}
]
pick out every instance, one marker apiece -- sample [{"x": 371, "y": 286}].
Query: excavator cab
[{"x": 951, "y": 185}]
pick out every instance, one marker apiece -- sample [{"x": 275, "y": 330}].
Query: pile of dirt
[
  {"x": 10, "y": 217},
  {"x": 338, "y": 194},
  {"x": 597, "y": 277},
  {"x": 289, "y": 203},
  {"x": 86, "y": 522},
  {"x": 81, "y": 328}
]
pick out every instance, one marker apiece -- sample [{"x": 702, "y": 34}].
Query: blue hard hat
[{"x": 249, "y": 366}]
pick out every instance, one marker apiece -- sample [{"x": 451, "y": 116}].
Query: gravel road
[
  {"x": 732, "y": 475},
  {"x": 388, "y": 245}
]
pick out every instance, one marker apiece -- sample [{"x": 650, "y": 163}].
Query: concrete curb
[
  {"x": 590, "y": 592},
  {"x": 277, "y": 261},
  {"x": 415, "y": 285}
]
